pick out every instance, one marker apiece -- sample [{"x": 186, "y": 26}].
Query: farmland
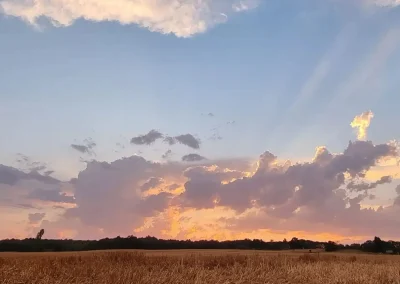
[{"x": 197, "y": 266}]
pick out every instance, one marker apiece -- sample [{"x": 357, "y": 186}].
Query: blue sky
[
  {"x": 104, "y": 80},
  {"x": 291, "y": 74}
]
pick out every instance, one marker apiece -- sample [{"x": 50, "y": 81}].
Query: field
[{"x": 190, "y": 266}]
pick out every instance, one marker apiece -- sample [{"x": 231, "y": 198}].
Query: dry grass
[{"x": 216, "y": 267}]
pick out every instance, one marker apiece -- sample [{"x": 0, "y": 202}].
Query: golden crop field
[{"x": 212, "y": 266}]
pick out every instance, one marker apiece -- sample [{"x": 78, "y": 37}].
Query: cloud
[
  {"x": 361, "y": 123},
  {"x": 25, "y": 191},
  {"x": 11, "y": 176},
  {"x": 167, "y": 154},
  {"x": 109, "y": 195},
  {"x": 228, "y": 198},
  {"x": 36, "y": 217},
  {"x": 185, "y": 139},
  {"x": 367, "y": 186},
  {"x": 86, "y": 148},
  {"x": 151, "y": 183},
  {"x": 188, "y": 140},
  {"x": 181, "y": 18},
  {"x": 25, "y": 163},
  {"x": 309, "y": 194},
  {"x": 215, "y": 135},
  {"x": 148, "y": 138},
  {"x": 51, "y": 195},
  {"x": 240, "y": 6},
  {"x": 136, "y": 196},
  {"x": 193, "y": 158},
  {"x": 170, "y": 140},
  {"x": 386, "y": 3}
]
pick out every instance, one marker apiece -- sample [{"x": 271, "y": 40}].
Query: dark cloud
[
  {"x": 51, "y": 195},
  {"x": 188, "y": 140},
  {"x": 80, "y": 148},
  {"x": 210, "y": 114},
  {"x": 11, "y": 176},
  {"x": 86, "y": 148},
  {"x": 154, "y": 135},
  {"x": 170, "y": 140},
  {"x": 167, "y": 154},
  {"x": 151, "y": 183},
  {"x": 360, "y": 156},
  {"x": 36, "y": 217},
  {"x": 148, "y": 138},
  {"x": 26, "y": 164},
  {"x": 193, "y": 158},
  {"x": 367, "y": 186}
]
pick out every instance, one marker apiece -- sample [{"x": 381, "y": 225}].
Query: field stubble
[{"x": 138, "y": 267}]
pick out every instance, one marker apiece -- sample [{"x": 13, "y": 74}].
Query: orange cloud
[{"x": 361, "y": 123}]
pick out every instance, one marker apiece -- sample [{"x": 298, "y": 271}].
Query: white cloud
[
  {"x": 386, "y": 3},
  {"x": 183, "y": 18}
]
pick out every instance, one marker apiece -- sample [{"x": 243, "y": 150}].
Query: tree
[
  {"x": 40, "y": 234},
  {"x": 331, "y": 246},
  {"x": 379, "y": 244},
  {"x": 294, "y": 243}
]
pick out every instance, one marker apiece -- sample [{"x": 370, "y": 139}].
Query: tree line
[{"x": 39, "y": 244}]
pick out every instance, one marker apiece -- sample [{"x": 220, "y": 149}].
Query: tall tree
[{"x": 40, "y": 234}]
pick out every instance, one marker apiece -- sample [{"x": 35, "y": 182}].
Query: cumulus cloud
[
  {"x": 361, "y": 123},
  {"x": 110, "y": 195},
  {"x": 182, "y": 18},
  {"x": 148, "y": 138},
  {"x": 136, "y": 196},
  {"x": 133, "y": 195},
  {"x": 312, "y": 192},
  {"x": 193, "y": 158}
]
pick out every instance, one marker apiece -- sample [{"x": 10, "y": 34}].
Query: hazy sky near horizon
[{"x": 200, "y": 119}]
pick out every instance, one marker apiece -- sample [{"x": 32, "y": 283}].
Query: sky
[{"x": 200, "y": 119}]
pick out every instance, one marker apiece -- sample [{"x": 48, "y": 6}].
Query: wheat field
[{"x": 216, "y": 267}]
